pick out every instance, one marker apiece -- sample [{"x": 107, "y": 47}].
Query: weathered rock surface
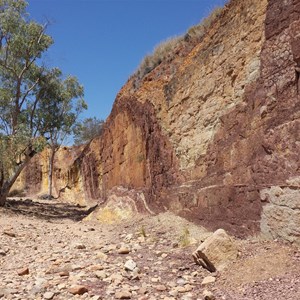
[
  {"x": 205, "y": 133},
  {"x": 216, "y": 251},
  {"x": 281, "y": 215},
  {"x": 265, "y": 270}
]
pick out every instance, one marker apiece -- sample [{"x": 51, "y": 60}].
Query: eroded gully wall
[{"x": 212, "y": 133}]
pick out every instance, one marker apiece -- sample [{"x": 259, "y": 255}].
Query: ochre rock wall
[{"x": 212, "y": 133}]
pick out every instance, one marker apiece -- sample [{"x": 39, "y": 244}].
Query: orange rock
[
  {"x": 78, "y": 290},
  {"x": 23, "y": 271}
]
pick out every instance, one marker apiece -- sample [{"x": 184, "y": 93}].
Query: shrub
[
  {"x": 17, "y": 193},
  {"x": 160, "y": 53},
  {"x": 143, "y": 231},
  {"x": 184, "y": 239},
  {"x": 199, "y": 30},
  {"x": 165, "y": 50}
]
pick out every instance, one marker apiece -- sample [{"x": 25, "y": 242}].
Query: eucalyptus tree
[
  {"x": 63, "y": 99},
  {"x": 87, "y": 130},
  {"x": 24, "y": 91}
]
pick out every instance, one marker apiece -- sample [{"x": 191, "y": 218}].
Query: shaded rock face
[{"x": 209, "y": 133}]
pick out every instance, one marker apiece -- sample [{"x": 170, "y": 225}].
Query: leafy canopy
[
  {"x": 87, "y": 130},
  {"x": 35, "y": 101}
]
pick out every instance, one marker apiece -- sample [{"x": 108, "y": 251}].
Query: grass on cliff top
[{"x": 165, "y": 51}]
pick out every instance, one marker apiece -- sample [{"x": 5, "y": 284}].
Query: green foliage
[
  {"x": 35, "y": 101},
  {"x": 143, "y": 231},
  {"x": 62, "y": 98},
  {"x": 140, "y": 158},
  {"x": 87, "y": 130},
  {"x": 184, "y": 239}
]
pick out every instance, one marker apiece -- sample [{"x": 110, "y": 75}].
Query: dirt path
[{"x": 49, "y": 241}]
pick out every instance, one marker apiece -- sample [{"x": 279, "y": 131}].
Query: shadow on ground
[{"x": 47, "y": 210}]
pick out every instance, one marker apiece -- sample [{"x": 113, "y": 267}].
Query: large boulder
[{"x": 216, "y": 251}]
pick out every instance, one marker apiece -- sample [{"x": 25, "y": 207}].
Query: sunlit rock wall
[{"x": 212, "y": 133}]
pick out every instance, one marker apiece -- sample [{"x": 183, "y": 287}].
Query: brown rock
[
  {"x": 64, "y": 273},
  {"x": 78, "y": 290},
  {"x": 80, "y": 246},
  {"x": 124, "y": 294},
  {"x": 124, "y": 250},
  {"x": 9, "y": 233},
  {"x": 2, "y": 252},
  {"x": 23, "y": 271},
  {"x": 161, "y": 287}
]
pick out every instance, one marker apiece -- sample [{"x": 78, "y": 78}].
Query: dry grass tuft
[{"x": 165, "y": 51}]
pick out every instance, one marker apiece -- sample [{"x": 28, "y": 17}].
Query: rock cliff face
[{"x": 212, "y": 133}]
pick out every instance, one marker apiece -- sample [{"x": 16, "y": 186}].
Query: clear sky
[{"x": 102, "y": 42}]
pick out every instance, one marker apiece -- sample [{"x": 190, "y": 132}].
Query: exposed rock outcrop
[
  {"x": 209, "y": 134},
  {"x": 216, "y": 252}
]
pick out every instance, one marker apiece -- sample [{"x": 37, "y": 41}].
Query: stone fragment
[
  {"x": 96, "y": 267},
  {"x": 78, "y": 290},
  {"x": 208, "y": 295},
  {"x": 9, "y": 233},
  {"x": 80, "y": 246},
  {"x": 100, "y": 274},
  {"x": 48, "y": 295},
  {"x": 64, "y": 273},
  {"x": 181, "y": 289},
  {"x": 188, "y": 287},
  {"x": 128, "y": 237},
  {"x": 135, "y": 274},
  {"x": 123, "y": 250},
  {"x": 23, "y": 271},
  {"x": 181, "y": 281},
  {"x": 130, "y": 265},
  {"x": 124, "y": 294},
  {"x": 208, "y": 280},
  {"x": 216, "y": 251},
  {"x": 61, "y": 286},
  {"x": 96, "y": 297},
  {"x": 102, "y": 256},
  {"x": 161, "y": 288}
]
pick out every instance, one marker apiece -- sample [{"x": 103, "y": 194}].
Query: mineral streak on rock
[{"x": 207, "y": 134}]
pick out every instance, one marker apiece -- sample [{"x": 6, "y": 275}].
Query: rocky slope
[
  {"x": 46, "y": 252},
  {"x": 212, "y": 133}
]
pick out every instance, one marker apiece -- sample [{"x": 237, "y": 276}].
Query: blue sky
[{"x": 102, "y": 42}]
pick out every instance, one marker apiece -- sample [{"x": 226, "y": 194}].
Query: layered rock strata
[{"x": 212, "y": 133}]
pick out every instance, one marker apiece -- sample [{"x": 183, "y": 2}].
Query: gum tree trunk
[
  {"x": 7, "y": 184},
  {"x": 3, "y": 196},
  {"x": 50, "y": 175}
]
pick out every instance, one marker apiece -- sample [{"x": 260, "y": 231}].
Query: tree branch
[
  {"x": 28, "y": 91},
  {"x": 29, "y": 62}
]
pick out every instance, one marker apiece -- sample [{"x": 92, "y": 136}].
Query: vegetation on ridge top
[{"x": 165, "y": 51}]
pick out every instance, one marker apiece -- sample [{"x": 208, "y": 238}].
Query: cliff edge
[{"x": 212, "y": 132}]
